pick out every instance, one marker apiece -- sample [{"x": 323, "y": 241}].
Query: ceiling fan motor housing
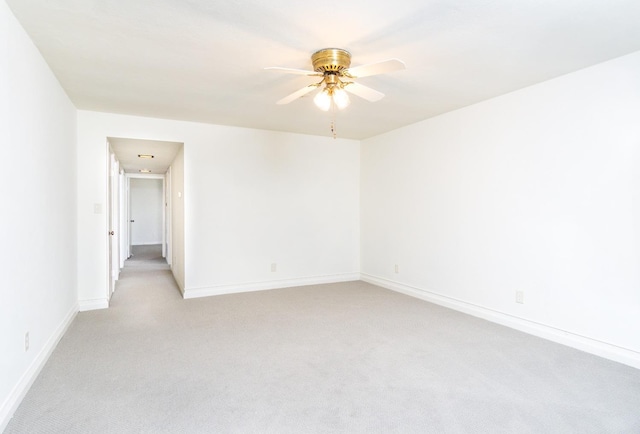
[{"x": 331, "y": 60}]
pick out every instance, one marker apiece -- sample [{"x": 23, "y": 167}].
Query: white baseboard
[
  {"x": 583, "y": 343},
  {"x": 18, "y": 393},
  {"x": 265, "y": 285},
  {"x": 98, "y": 303}
]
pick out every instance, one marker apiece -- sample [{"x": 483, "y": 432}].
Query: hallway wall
[
  {"x": 177, "y": 229},
  {"x": 37, "y": 186}
]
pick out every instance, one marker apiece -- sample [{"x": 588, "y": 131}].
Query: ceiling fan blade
[
  {"x": 293, "y": 71},
  {"x": 297, "y": 94},
  {"x": 364, "y": 92},
  {"x": 376, "y": 68}
]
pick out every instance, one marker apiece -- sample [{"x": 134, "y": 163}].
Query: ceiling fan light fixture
[
  {"x": 323, "y": 99},
  {"x": 340, "y": 98},
  {"x": 332, "y": 95},
  {"x": 334, "y": 65}
]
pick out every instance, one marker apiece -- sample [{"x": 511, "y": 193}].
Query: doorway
[
  {"x": 146, "y": 213},
  {"x": 138, "y": 200}
]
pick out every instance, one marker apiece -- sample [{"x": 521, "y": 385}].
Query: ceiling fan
[{"x": 333, "y": 65}]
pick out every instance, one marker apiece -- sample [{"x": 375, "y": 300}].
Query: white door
[
  {"x": 114, "y": 219},
  {"x": 129, "y": 219},
  {"x": 123, "y": 237},
  {"x": 167, "y": 214}
]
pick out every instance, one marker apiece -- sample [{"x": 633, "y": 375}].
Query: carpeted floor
[{"x": 338, "y": 358}]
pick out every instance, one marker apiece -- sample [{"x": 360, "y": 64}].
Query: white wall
[
  {"x": 258, "y": 198},
  {"x": 537, "y": 190},
  {"x": 37, "y": 186},
  {"x": 251, "y": 198},
  {"x": 146, "y": 210},
  {"x": 177, "y": 218}
]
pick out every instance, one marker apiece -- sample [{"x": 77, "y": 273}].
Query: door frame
[
  {"x": 127, "y": 212},
  {"x": 113, "y": 221},
  {"x": 167, "y": 227}
]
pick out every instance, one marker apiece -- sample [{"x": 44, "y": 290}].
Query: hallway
[
  {"x": 146, "y": 256},
  {"x": 106, "y": 358},
  {"x": 145, "y": 280}
]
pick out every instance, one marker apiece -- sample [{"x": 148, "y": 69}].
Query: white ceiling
[
  {"x": 127, "y": 151},
  {"x": 203, "y": 60}
]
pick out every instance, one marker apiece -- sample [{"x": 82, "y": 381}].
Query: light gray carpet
[
  {"x": 343, "y": 358},
  {"x": 146, "y": 256}
]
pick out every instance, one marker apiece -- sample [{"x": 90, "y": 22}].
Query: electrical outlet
[
  {"x": 274, "y": 267},
  {"x": 26, "y": 341},
  {"x": 520, "y": 297},
  {"x": 397, "y": 269}
]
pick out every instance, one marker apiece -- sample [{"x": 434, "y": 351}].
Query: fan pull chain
[{"x": 333, "y": 123}]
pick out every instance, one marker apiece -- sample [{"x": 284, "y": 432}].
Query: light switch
[{"x": 97, "y": 208}]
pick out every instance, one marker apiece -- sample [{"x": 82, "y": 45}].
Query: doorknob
[
  {"x": 132, "y": 221},
  {"x": 112, "y": 233}
]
